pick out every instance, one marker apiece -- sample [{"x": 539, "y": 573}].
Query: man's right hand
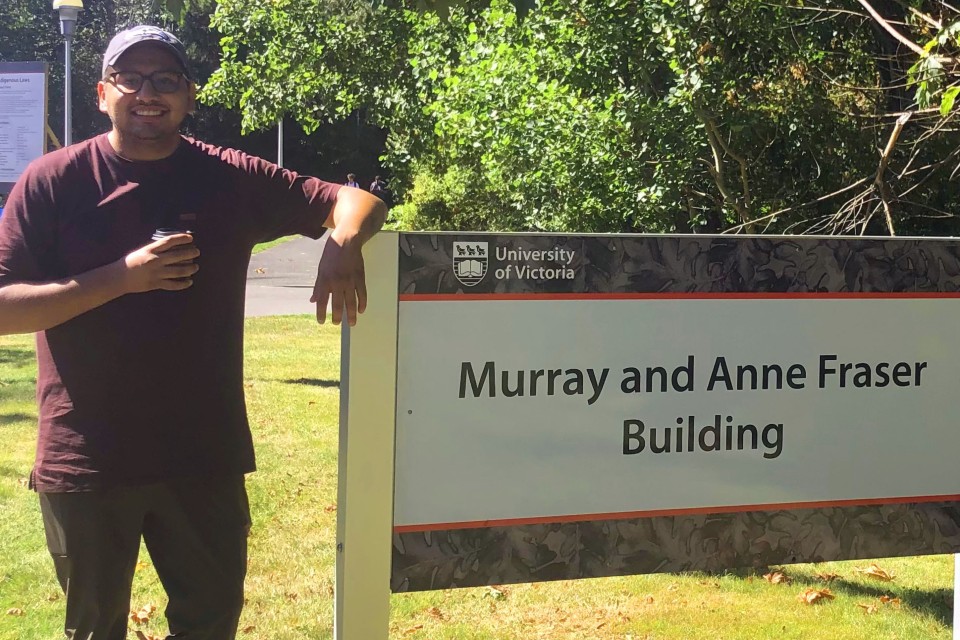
[
  {"x": 167, "y": 264},
  {"x": 26, "y": 307}
]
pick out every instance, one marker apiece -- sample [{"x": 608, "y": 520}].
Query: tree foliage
[
  {"x": 29, "y": 31},
  {"x": 582, "y": 115}
]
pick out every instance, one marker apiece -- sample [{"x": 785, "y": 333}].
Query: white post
[
  {"x": 368, "y": 378},
  {"x": 280, "y": 142},
  {"x": 956, "y": 600},
  {"x": 67, "y": 92}
]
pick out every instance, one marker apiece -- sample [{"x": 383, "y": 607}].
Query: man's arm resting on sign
[
  {"x": 356, "y": 216},
  {"x": 28, "y": 307}
]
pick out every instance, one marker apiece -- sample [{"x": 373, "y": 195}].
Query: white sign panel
[
  {"x": 514, "y": 411},
  {"x": 22, "y": 117}
]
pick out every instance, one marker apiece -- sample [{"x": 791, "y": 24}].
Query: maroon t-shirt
[{"x": 149, "y": 386}]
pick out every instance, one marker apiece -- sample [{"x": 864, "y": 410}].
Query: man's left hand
[{"x": 340, "y": 275}]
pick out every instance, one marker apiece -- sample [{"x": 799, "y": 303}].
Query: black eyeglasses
[{"x": 132, "y": 81}]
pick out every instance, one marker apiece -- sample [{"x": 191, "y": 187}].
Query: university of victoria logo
[{"x": 470, "y": 262}]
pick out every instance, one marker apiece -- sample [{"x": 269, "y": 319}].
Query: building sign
[
  {"x": 581, "y": 406},
  {"x": 23, "y": 118}
]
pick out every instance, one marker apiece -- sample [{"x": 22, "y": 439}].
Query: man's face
[{"x": 147, "y": 116}]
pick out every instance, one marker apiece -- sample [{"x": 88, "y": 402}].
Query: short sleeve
[
  {"x": 283, "y": 202},
  {"x": 28, "y": 230}
]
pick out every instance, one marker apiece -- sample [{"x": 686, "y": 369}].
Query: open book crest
[{"x": 470, "y": 262}]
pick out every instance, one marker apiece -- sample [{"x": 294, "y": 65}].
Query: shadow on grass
[
  {"x": 10, "y": 418},
  {"x": 16, "y": 357},
  {"x": 936, "y": 604},
  {"x": 314, "y": 382},
  {"x": 932, "y": 603}
]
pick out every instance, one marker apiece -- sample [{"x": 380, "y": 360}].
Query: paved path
[{"x": 280, "y": 280}]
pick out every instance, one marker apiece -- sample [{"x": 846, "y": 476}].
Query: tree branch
[
  {"x": 882, "y": 187},
  {"x": 718, "y": 147},
  {"x": 907, "y": 42}
]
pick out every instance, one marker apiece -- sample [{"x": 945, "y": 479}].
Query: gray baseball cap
[{"x": 144, "y": 33}]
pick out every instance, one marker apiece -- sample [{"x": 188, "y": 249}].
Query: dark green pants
[{"x": 196, "y": 533}]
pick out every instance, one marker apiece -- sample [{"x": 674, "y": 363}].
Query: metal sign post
[{"x": 367, "y": 417}]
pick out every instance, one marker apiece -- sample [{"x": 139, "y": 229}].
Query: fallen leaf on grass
[
  {"x": 143, "y": 615},
  {"x": 673, "y": 586},
  {"x": 249, "y": 628},
  {"x": 23, "y": 483},
  {"x": 890, "y": 600},
  {"x": 648, "y": 599},
  {"x": 15, "y": 612},
  {"x": 330, "y": 508},
  {"x": 434, "y": 612},
  {"x": 875, "y": 572},
  {"x": 827, "y": 577},
  {"x": 777, "y": 577},
  {"x": 140, "y": 566},
  {"x": 260, "y": 270},
  {"x": 813, "y": 596},
  {"x": 412, "y": 630},
  {"x": 496, "y": 594},
  {"x": 869, "y": 608}
]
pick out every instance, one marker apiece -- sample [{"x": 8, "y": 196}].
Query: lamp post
[{"x": 68, "y": 10}]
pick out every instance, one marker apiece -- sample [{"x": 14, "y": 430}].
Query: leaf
[
  {"x": 884, "y": 600},
  {"x": 949, "y": 97},
  {"x": 260, "y": 270},
  {"x": 434, "y": 612},
  {"x": 827, "y": 577},
  {"x": 776, "y": 577},
  {"x": 814, "y": 596},
  {"x": 495, "y": 593},
  {"x": 890, "y": 600},
  {"x": 15, "y": 612},
  {"x": 248, "y": 629},
  {"x": 875, "y": 572},
  {"x": 143, "y": 615}
]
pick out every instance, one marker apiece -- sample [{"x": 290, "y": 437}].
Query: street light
[{"x": 68, "y": 10}]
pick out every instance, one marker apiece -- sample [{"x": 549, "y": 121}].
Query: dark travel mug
[{"x": 166, "y": 232}]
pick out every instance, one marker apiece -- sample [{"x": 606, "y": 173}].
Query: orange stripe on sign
[
  {"x": 628, "y": 515},
  {"x": 800, "y": 295}
]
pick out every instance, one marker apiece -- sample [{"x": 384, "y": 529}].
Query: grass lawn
[
  {"x": 263, "y": 246},
  {"x": 292, "y": 378}
]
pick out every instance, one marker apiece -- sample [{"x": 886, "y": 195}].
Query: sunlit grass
[
  {"x": 292, "y": 378},
  {"x": 263, "y": 246}
]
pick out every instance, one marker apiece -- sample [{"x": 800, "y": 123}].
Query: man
[
  {"x": 352, "y": 181},
  {"x": 143, "y": 428}
]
